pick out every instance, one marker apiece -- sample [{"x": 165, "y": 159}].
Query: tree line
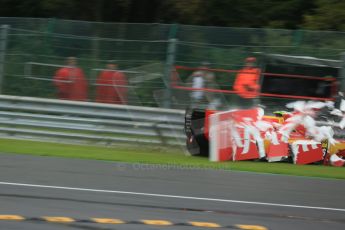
[{"x": 285, "y": 14}]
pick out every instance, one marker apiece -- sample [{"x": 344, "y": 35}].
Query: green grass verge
[{"x": 140, "y": 154}]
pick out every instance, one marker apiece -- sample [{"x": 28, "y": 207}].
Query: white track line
[{"x": 171, "y": 196}]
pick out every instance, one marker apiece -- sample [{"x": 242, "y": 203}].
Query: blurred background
[
  {"x": 298, "y": 45},
  {"x": 147, "y": 38}
]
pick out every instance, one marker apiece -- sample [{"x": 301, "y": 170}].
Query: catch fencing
[{"x": 31, "y": 50}]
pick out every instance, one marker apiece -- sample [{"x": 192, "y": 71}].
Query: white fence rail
[{"x": 86, "y": 122}]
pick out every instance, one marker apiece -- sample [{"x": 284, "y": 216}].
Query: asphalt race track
[{"x": 98, "y": 195}]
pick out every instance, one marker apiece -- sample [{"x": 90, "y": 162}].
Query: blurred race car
[
  {"x": 249, "y": 134},
  {"x": 305, "y": 135}
]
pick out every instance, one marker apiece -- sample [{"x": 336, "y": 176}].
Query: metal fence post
[
  {"x": 3, "y": 41},
  {"x": 169, "y": 65},
  {"x": 342, "y": 73}
]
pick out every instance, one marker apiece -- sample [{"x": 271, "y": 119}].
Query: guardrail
[{"x": 87, "y": 122}]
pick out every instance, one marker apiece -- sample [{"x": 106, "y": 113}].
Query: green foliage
[
  {"x": 328, "y": 15},
  {"x": 290, "y": 14}
]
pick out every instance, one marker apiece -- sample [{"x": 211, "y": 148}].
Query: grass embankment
[{"x": 140, "y": 154}]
